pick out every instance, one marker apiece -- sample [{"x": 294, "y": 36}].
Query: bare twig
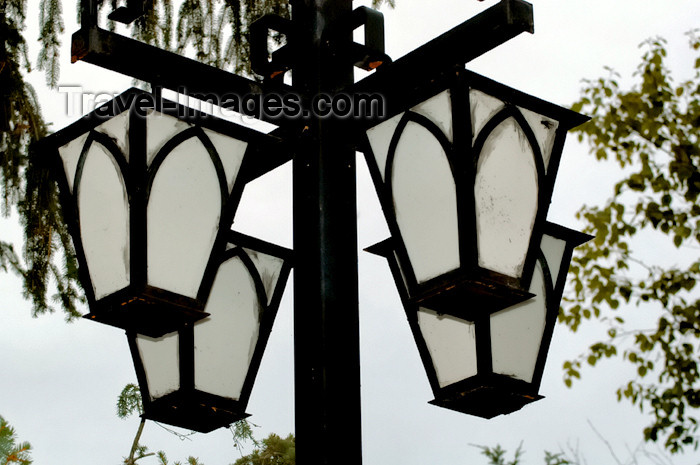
[
  {"x": 181, "y": 436},
  {"x": 605, "y": 441}
]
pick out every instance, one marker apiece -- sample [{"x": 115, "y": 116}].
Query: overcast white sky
[{"x": 60, "y": 382}]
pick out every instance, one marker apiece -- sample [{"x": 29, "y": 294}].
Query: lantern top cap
[
  {"x": 120, "y": 103},
  {"x": 270, "y": 149},
  {"x": 568, "y": 119},
  {"x": 415, "y": 92},
  {"x": 143, "y": 102}
]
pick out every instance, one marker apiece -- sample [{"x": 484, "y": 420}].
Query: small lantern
[
  {"x": 492, "y": 364},
  {"x": 149, "y": 189},
  {"x": 201, "y": 376},
  {"x": 464, "y": 170}
]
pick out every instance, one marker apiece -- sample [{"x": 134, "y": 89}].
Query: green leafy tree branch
[
  {"x": 274, "y": 450},
  {"x": 11, "y": 451},
  {"x": 651, "y": 131}
]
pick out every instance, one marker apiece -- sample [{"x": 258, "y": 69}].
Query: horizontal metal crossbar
[
  {"x": 463, "y": 43},
  {"x": 162, "y": 68}
]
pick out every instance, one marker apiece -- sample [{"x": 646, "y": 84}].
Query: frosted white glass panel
[
  {"x": 70, "y": 154},
  {"x": 545, "y": 130},
  {"x": 425, "y": 202},
  {"x": 269, "y": 269},
  {"x": 160, "y": 128},
  {"x": 231, "y": 152},
  {"x": 553, "y": 250},
  {"x": 451, "y": 343},
  {"x": 438, "y": 109},
  {"x": 161, "y": 361},
  {"x": 506, "y": 199},
  {"x": 103, "y": 213},
  {"x": 516, "y": 333},
  {"x": 380, "y": 138},
  {"x": 117, "y": 129},
  {"x": 184, "y": 209},
  {"x": 225, "y": 341},
  {"x": 483, "y": 108}
]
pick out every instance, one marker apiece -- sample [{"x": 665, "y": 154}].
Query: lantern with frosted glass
[
  {"x": 149, "y": 188},
  {"x": 492, "y": 364},
  {"x": 201, "y": 376},
  {"x": 464, "y": 170}
]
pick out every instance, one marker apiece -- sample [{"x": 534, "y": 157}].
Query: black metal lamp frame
[
  {"x": 489, "y": 394},
  {"x": 485, "y": 290},
  {"x": 194, "y": 409},
  {"x": 139, "y": 306}
]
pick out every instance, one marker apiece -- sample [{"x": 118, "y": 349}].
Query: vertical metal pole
[
  {"x": 88, "y": 14},
  {"x": 326, "y": 327}
]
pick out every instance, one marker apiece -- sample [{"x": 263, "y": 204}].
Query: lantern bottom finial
[
  {"x": 152, "y": 312},
  {"x": 469, "y": 296},
  {"x": 196, "y": 411},
  {"x": 488, "y": 398}
]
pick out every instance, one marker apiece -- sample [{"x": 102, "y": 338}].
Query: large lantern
[
  {"x": 201, "y": 376},
  {"x": 464, "y": 168},
  {"x": 149, "y": 189},
  {"x": 491, "y": 364}
]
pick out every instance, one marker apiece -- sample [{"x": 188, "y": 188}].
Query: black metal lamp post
[
  {"x": 479, "y": 269},
  {"x": 326, "y": 317}
]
